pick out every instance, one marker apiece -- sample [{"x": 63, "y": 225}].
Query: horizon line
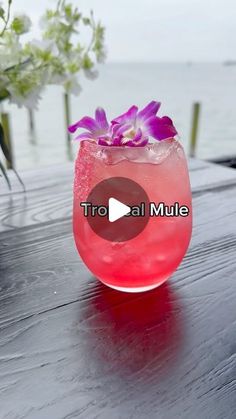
[{"x": 225, "y": 61}]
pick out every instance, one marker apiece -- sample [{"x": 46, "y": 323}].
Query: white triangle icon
[{"x": 117, "y": 209}]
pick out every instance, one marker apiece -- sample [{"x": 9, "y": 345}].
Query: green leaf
[
  {"x": 17, "y": 26},
  {"x": 50, "y": 14},
  {"x": 73, "y": 67},
  {"x": 8, "y": 157},
  {"x": 4, "y": 94},
  {"x": 86, "y": 21},
  {"x": 87, "y": 63},
  {"x": 68, "y": 11},
  {"x": 4, "y": 172},
  {"x": 4, "y": 147},
  {"x": 2, "y": 12}
]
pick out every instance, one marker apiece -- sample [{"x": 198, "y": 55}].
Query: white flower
[
  {"x": 46, "y": 45},
  {"x": 26, "y": 68},
  {"x": 3, "y": 83},
  {"x": 44, "y": 22},
  {"x": 30, "y": 101},
  {"x": 6, "y": 61},
  {"x": 10, "y": 45},
  {"x": 21, "y": 24}
]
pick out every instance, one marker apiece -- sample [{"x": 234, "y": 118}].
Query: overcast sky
[{"x": 158, "y": 30}]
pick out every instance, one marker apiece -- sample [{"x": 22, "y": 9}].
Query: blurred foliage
[{"x": 57, "y": 57}]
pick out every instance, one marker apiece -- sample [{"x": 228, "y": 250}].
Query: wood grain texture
[
  {"x": 49, "y": 192},
  {"x": 72, "y": 348}
]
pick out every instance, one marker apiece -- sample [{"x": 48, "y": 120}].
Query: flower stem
[
  {"x": 7, "y": 18},
  {"x": 60, "y": 4}
]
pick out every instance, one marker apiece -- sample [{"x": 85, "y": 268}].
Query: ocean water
[{"x": 118, "y": 86}]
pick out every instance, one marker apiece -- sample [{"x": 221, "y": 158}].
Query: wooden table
[{"x": 72, "y": 348}]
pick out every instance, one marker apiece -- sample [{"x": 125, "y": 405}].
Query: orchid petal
[
  {"x": 150, "y": 110},
  {"x": 138, "y": 140},
  {"x": 138, "y": 135},
  {"x": 103, "y": 141},
  {"x": 84, "y": 136},
  {"x": 125, "y": 141},
  {"x": 126, "y": 117},
  {"x": 117, "y": 141},
  {"x": 73, "y": 128},
  {"x": 101, "y": 119},
  {"x": 86, "y": 122},
  {"x": 160, "y": 128},
  {"x": 119, "y": 129},
  {"x": 129, "y": 143},
  {"x": 143, "y": 142}
]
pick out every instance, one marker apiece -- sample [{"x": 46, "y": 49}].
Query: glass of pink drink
[{"x": 147, "y": 260}]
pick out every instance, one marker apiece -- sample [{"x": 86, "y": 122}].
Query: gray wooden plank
[
  {"x": 57, "y": 175},
  {"x": 49, "y": 193},
  {"x": 71, "y": 348},
  {"x": 43, "y": 177}
]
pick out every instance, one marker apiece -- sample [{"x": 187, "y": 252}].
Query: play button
[
  {"x": 116, "y": 210},
  {"x": 117, "y": 195}
]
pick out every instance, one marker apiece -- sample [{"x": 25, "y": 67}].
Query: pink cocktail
[{"x": 147, "y": 260}]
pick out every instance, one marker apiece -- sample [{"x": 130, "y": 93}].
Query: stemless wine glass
[{"x": 147, "y": 260}]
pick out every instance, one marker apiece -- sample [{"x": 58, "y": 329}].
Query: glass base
[{"x": 133, "y": 289}]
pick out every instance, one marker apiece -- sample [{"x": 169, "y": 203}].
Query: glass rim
[{"x": 148, "y": 146}]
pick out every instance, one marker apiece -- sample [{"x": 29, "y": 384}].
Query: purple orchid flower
[
  {"x": 132, "y": 128},
  {"x": 135, "y": 127},
  {"x": 95, "y": 128}
]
